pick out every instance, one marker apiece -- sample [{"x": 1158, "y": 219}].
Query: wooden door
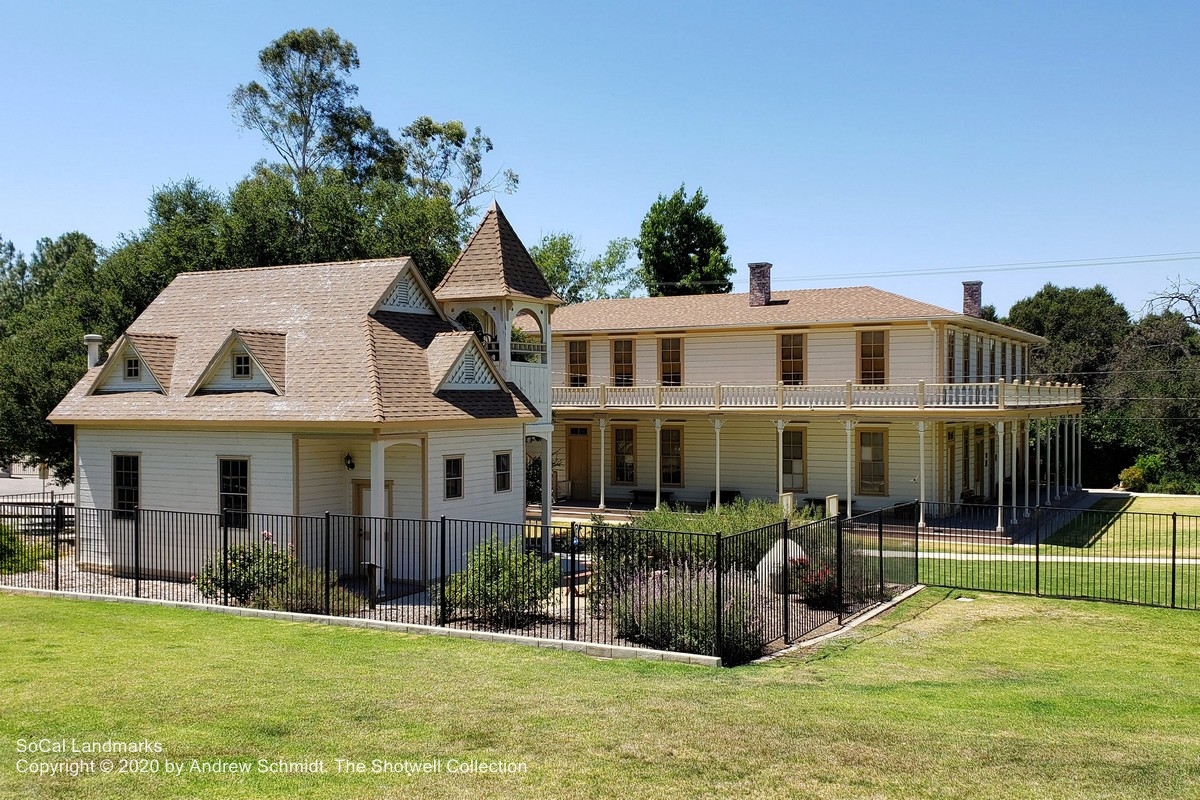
[
  {"x": 364, "y": 525},
  {"x": 579, "y": 462}
]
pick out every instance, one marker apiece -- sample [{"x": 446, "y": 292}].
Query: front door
[
  {"x": 579, "y": 462},
  {"x": 365, "y": 525}
]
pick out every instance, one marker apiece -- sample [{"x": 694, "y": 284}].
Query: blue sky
[{"x": 842, "y": 141}]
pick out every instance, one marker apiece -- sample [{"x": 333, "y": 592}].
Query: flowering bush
[
  {"x": 247, "y": 570},
  {"x": 817, "y": 584}
]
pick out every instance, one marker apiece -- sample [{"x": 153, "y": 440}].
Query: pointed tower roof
[{"x": 495, "y": 264}]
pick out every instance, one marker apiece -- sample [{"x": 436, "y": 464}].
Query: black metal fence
[
  {"x": 1114, "y": 555},
  {"x": 732, "y": 595}
]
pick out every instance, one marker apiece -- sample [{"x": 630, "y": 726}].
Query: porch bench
[{"x": 645, "y": 497}]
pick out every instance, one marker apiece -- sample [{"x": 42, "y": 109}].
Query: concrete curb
[
  {"x": 866, "y": 616},
  {"x": 611, "y": 651}
]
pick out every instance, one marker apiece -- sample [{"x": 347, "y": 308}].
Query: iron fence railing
[{"x": 732, "y": 595}]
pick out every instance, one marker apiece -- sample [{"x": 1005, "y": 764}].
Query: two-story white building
[{"x": 854, "y": 392}]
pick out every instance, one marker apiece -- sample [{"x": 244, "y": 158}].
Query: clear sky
[{"x": 838, "y": 140}]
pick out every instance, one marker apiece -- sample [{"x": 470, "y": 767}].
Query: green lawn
[{"x": 1002, "y": 697}]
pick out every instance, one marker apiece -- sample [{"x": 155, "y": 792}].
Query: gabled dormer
[
  {"x": 137, "y": 363},
  {"x": 408, "y": 294},
  {"x": 248, "y": 361},
  {"x": 457, "y": 362}
]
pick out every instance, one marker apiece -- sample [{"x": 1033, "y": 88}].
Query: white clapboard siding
[
  {"x": 731, "y": 358},
  {"x": 911, "y": 355},
  {"x": 324, "y": 481},
  {"x": 831, "y": 357},
  {"x": 221, "y": 378},
  {"x": 480, "y": 500}
]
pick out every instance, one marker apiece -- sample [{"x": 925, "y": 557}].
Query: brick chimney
[
  {"x": 972, "y": 298},
  {"x": 93, "y": 345},
  {"x": 760, "y": 283}
]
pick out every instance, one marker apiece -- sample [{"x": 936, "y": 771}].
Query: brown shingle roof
[
  {"x": 495, "y": 264},
  {"x": 798, "y": 307},
  {"x": 269, "y": 349},
  {"x": 329, "y": 342},
  {"x": 158, "y": 354},
  {"x": 442, "y": 352}
]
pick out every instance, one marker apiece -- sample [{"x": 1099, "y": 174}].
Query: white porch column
[
  {"x": 657, "y": 461},
  {"x": 1038, "y": 448},
  {"x": 717, "y": 422},
  {"x": 849, "y": 423},
  {"x": 378, "y": 511},
  {"x": 547, "y": 488},
  {"x": 1025, "y": 446},
  {"x": 1058, "y": 457},
  {"x": 921, "y": 501},
  {"x": 780, "y": 424},
  {"x": 1079, "y": 451},
  {"x": 602, "y": 424},
  {"x": 1013, "y": 466},
  {"x": 1000, "y": 476}
]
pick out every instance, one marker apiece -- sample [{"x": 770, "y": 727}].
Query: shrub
[
  {"x": 18, "y": 556},
  {"x": 304, "y": 592},
  {"x": 675, "y": 610},
  {"x": 248, "y": 570},
  {"x": 1177, "y": 483},
  {"x": 502, "y": 584},
  {"x": 1152, "y": 466},
  {"x": 1133, "y": 479}
]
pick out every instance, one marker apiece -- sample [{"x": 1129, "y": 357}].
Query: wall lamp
[{"x": 349, "y": 461}]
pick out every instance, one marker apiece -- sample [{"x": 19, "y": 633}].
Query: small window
[
  {"x": 577, "y": 362},
  {"x": 791, "y": 358},
  {"x": 872, "y": 357},
  {"x": 622, "y": 362},
  {"x": 670, "y": 362},
  {"x": 242, "y": 366},
  {"x": 624, "y": 456},
  {"x": 793, "y": 461},
  {"x": 872, "y": 466},
  {"x": 235, "y": 492},
  {"x": 454, "y": 478},
  {"x": 133, "y": 369},
  {"x": 672, "y": 456},
  {"x": 503, "y": 471},
  {"x": 127, "y": 479}
]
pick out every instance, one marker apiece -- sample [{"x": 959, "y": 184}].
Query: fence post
[
  {"x": 224, "y": 558},
  {"x": 137, "y": 552},
  {"x": 880, "y": 525},
  {"x": 1174, "y": 550},
  {"x": 1037, "y": 553},
  {"x": 573, "y": 546},
  {"x": 718, "y": 639},
  {"x": 841, "y": 598},
  {"x": 917, "y": 517},
  {"x": 59, "y": 521},
  {"x": 787, "y": 584},
  {"x": 328, "y": 610},
  {"x": 443, "y": 607}
]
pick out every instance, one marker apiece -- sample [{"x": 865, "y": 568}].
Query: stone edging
[
  {"x": 866, "y": 616},
  {"x": 587, "y": 648}
]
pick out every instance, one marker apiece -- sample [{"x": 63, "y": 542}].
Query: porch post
[
  {"x": 657, "y": 461},
  {"x": 1000, "y": 476},
  {"x": 1058, "y": 457},
  {"x": 780, "y": 424},
  {"x": 1025, "y": 445},
  {"x": 1048, "y": 462},
  {"x": 1013, "y": 466},
  {"x": 547, "y": 487},
  {"x": 717, "y": 422},
  {"x": 378, "y": 511},
  {"x": 849, "y": 423},
  {"x": 602, "y": 423},
  {"x": 1079, "y": 451},
  {"x": 921, "y": 447}
]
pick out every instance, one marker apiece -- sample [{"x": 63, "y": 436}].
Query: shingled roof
[
  {"x": 308, "y": 326},
  {"x": 855, "y": 304},
  {"x": 495, "y": 264}
]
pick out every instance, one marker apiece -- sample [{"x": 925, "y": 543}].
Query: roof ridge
[
  {"x": 357, "y": 261},
  {"x": 373, "y": 371}
]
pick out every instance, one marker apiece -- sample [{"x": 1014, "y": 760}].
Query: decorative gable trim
[
  {"x": 408, "y": 294},
  {"x": 243, "y": 342},
  {"x": 464, "y": 366},
  {"x": 110, "y": 379}
]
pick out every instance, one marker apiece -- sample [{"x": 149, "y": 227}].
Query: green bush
[
  {"x": 248, "y": 570},
  {"x": 1133, "y": 479},
  {"x": 676, "y": 609},
  {"x": 1177, "y": 483},
  {"x": 502, "y": 585},
  {"x": 1152, "y": 466},
  {"x": 17, "y": 555},
  {"x": 303, "y": 592}
]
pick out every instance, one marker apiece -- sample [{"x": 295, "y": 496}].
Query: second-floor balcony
[{"x": 844, "y": 397}]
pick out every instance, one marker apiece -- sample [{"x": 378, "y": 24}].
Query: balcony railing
[
  {"x": 527, "y": 352},
  {"x": 918, "y": 395}
]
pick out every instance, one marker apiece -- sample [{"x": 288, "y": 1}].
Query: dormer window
[
  {"x": 133, "y": 369},
  {"x": 241, "y": 366}
]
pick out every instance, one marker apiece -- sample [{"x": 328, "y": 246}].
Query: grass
[{"x": 1003, "y": 697}]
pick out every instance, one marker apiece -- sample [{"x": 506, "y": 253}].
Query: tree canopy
[
  {"x": 682, "y": 249},
  {"x": 575, "y": 278}
]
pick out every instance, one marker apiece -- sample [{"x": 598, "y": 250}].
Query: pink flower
[{"x": 268, "y": 535}]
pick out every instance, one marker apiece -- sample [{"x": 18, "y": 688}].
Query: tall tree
[
  {"x": 304, "y": 107},
  {"x": 575, "y": 278},
  {"x": 682, "y": 249},
  {"x": 1084, "y": 327},
  {"x": 443, "y": 160},
  {"x": 1182, "y": 296}
]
